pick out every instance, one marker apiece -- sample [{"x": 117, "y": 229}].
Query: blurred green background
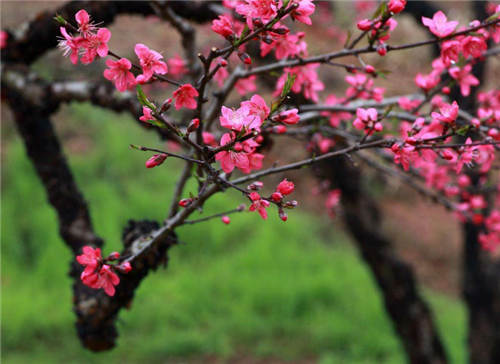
[{"x": 248, "y": 292}]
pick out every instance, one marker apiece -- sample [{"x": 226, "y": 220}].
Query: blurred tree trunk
[
  {"x": 481, "y": 271},
  {"x": 409, "y": 312}
]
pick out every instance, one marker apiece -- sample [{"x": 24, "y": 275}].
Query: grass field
[{"x": 252, "y": 289}]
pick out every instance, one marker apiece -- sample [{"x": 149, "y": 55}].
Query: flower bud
[
  {"x": 166, "y": 105},
  {"x": 255, "y": 186},
  {"x": 125, "y": 267},
  {"x": 184, "y": 202},
  {"x": 382, "y": 49},
  {"x": 113, "y": 256},
  {"x": 285, "y": 187},
  {"x": 245, "y": 58},
  {"x": 225, "y": 219},
  {"x": 291, "y": 204},
  {"x": 193, "y": 125},
  {"x": 156, "y": 160},
  {"x": 276, "y": 197},
  {"x": 364, "y": 24},
  {"x": 283, "y": 215},
  {"x": 369, "y": 68},
  {"x": 446, "y": 90},
  {"x": 223, "y": 62},
  {"x": 279, "y": 129}
]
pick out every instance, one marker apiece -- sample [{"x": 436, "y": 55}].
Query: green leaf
[
  {"x": 288, "y": 85},
  {"x": 463, "y": 130},
  {"x": 493, "y": 17},
  {"x": 58, "y": 18},
  {"x": 141, "y": 96},
  {"x": 348, "y": 38},
  {"x": 382, "y": 8}
]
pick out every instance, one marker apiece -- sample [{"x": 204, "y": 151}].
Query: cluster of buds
[{"x": 99, "y": 272}]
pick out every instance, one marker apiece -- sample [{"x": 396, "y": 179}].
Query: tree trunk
[{"x": 409, "y": 312}]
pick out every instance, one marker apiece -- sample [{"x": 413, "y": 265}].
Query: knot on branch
[{"x": 96, "y": 311}]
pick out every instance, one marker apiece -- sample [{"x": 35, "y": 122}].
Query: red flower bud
[
  {"x": 364, "y": 24},
  {"x": 113, "y": 256},
  {"x": 125, "y": 267},
  {"x": 382, "y": 49},
  {"x": 369, "y": 68},
  {"x": 276, "y": 197},
  {"x": 255, "y": 186},
  {"x": 285, "y": 187},
  {"x": 225, "y": 219},
  {"x": 279, "y": 129},
  {"x": 283, "y": 215},
  {"x": 156, "y": 160},
  {"x": 193, "y": 125},
  {"x": 184, "y": 202},
  {"x": 245, "y": 58}
]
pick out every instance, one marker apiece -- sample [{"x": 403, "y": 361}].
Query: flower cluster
[{"x": 98, "y": 272}]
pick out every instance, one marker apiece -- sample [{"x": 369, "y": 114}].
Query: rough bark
[{"x": 409, "y": 312}]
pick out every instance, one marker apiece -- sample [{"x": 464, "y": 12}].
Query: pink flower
[
  {"x": 223, "y": 26},
  {"x": 335, "y": 117},
  {"x": 70, "y": 45},
  {"x": 91, "y": 258},
  {"x": 96, "y": 274},
  {"x": 156, "y": 160},
  {"x": 289, "y": 117},
  {"x": 407, "y": 104},
  {"x": 332, "y": 201},
  {"x": 245, "y": 85},
  {"x": 439, "y": 24},
  {"x": 3, "y": 39},
  {"x": 85, "y": 27},
  {"x": 119, "y": 73},
  {"x": 287, "y": 45},
  {"x": 184, "y": 97},
  {"x": 232, "y": 158},
  {"x": 367, "y": 120},
  {"x": 450, "y": 51},
  {"x": 221, "y": 75},
  {"x": 447, "y": 113},
  {"x": 303, "y": 12},
  {"x": 285, "y": 187},
  {"x": 209, "y": 139},
  {"x": 150, "y": 63},
  {"x": 306, "y": 80},
  {"x": 396, "y": 6},
  {"x": 177, "y": 66},
  {"x": 239, "y": 119},
  {"x": 258, "y": 204},
  {"x": 95, "y": 44},
  {"x": 427, "y": 82},
  {"x": 404, "y": 155},
  {"x": 264, "y": 10},
  {"x": 473, "y": 46},
  {"x": 464, "y": 78},
  {"x": 147, "y": 114},
  {"x": 257, "y": 106},
  {"x": 108, "y": 280},
  {"x": 364, "y": 24}
]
